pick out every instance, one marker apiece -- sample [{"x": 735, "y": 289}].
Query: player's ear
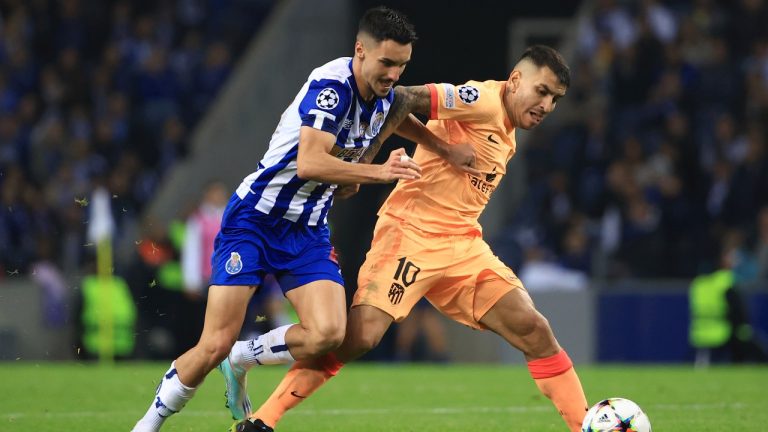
[
  {"x": 359, "y": 49},
  {"x": 513, "y": 82}
]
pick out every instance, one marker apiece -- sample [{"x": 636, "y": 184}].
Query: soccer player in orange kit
[{"x": 428, "y": 242}]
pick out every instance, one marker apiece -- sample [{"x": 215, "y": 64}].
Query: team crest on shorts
[
  {"x": 327, "y": 99},
  {"x": 396, "y": 292},
  {"x": 469, "y": 94},
  {"x": 234, "y": 264}
]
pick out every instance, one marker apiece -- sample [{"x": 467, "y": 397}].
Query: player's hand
[
  {"x": 346, "y": 191},
  {"x": 399, "y": 166},
  {"x": 462, "y": 157}
]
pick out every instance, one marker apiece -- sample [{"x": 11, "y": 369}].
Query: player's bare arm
[
  {"x": 461, "y": 156},
  {"x": 400, "y": 120},
  {"x": 406, "y": 102},
  {"x": 316, "y": 162}
]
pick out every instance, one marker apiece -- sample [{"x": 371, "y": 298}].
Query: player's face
[
  {"x": 382, "y": 63},
  {"x": 532, "y": 93}
]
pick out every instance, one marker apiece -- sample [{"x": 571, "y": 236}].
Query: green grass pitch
[{"x": 371, "y": 397}]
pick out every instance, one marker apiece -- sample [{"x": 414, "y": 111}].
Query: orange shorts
[{"x": 405, "y": 264}]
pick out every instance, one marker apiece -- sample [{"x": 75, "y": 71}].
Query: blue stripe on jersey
[
  {"x": 346, "y": 127},
  {"x": 285, "y": 196},
  {"x": 324, "y": 212},
  {"x": 359, "y": 142},
  {"x": 390, "y": 98},
  {"x": 362, "y": 107},
  {"x": 269, "y": 173},
  {"x": 329, "y": 125},
  {"x": 312, "y": 200}
]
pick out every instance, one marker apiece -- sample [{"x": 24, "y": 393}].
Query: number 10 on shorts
[{"x": 406, "y": 273}]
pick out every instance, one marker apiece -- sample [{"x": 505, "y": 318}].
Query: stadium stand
[
  {"x": 101, "y": 92},
  {"x": 667, "y": 153}
]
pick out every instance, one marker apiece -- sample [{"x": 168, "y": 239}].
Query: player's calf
[
  {"x": 536, "y": 339},
  {"x": 355, "y": 346},
  {"x": 515, "y": 319},
  {"x": 365, "y": 329}
]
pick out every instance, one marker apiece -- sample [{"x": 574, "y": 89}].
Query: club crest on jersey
[
  {"x": 378, "y": 120},
  {"x": 234, "y": 264},
  {"x": 468, "y": 94},
  {"x": 327, "y": 99}
]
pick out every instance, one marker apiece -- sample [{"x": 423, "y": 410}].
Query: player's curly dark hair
[
  {"x": 542, "y": 55},
  {"x": 383, "y": 23}
]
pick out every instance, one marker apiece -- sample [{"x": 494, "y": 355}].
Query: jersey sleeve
[
  {"x": 325, "y": 105},
  {"x": 466, "y": 102}
]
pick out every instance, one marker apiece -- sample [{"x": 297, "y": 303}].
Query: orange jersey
[{"x": 446, "y": 200}]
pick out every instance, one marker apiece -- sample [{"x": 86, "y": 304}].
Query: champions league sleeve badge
[
  {"x": 234, "y": 264},
  {"x": 469, "y": 94},
  {"x": 327, "y": 99}
]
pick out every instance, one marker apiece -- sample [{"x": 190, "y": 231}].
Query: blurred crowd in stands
[
  {"x": 104, "y": 93},
  {"x": 663, "y": 163},
  {"x": 101, "y": 92}
]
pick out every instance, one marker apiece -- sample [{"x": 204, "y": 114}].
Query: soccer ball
[{"x": 616, "y": 415}]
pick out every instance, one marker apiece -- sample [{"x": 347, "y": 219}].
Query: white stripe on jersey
[
  {"x": 319, "y": 116},
  {"x": 300, "y": 198},
  {"x": 267, "y": 199}
]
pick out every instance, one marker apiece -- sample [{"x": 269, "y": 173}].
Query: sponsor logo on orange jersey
[
  {"x": 450, "y": 99},
  {"x": 481, "y": 185}
]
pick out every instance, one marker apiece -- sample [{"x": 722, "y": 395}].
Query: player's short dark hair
[
  {"x": 542, "y": 55},
  {"x": 383, "y": 23}
]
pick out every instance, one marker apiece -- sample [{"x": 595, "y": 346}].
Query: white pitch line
[{"x": 376, "y": 411}]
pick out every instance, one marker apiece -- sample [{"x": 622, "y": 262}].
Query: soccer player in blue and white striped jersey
[{"x": 276, "y": 222}]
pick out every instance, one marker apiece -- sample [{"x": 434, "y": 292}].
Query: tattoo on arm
[{"x": 414, "y": 99}]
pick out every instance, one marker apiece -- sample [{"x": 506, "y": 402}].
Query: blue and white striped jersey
[{"x": 328, "y": 101}]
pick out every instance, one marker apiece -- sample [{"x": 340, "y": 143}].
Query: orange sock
[
  {"x": 304, "y": 377},
  {"x": 558, "y": 381}
]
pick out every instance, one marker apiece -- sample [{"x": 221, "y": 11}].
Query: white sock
[
  {"x": 170, "y": 398},
  {"x": 269, "y": 348}
]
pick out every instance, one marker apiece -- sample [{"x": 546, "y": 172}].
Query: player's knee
[
  {"x": 537, "y": 338},
  {"x": 366, "y": 342},
  {"x": 216, "y": 349},
  {"x": 325, "y": 338},
  {"x": 333, "y": 337},
  {"x": 533, "y": 324}
]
